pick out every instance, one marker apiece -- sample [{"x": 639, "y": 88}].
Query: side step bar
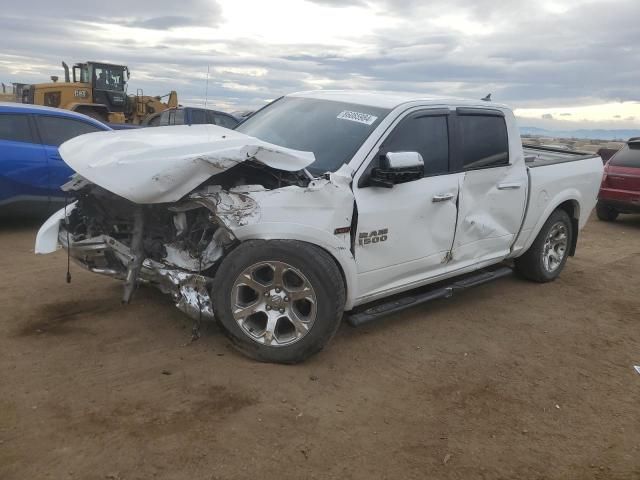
[{"x": 401, "y": 303}]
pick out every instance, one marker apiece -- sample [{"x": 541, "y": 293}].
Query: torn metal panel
[
  {"x": 177, "y": 256},
  {"x": 233, "y": 209},
  {"x": 107, "y": 256},
  {"x": 157, "y": 165},
  {"x": 190, "y": 291}
]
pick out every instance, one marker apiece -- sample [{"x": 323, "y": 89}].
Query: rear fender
[{"x": 569, "y": 200}]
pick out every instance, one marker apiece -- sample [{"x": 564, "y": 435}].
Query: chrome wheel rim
[
  {"x": 555, "y": 247},
  {"x": 273, "y": 303}
]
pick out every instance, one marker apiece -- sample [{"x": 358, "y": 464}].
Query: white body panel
[
  {"x": 491, "y": 208},
  {"x": 481, "y": 224},
  {"x": 419, "y": 233},
  {"x": 553, "y": 185}
]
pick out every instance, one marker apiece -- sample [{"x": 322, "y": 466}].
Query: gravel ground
[{"x": 511, "y": 380}]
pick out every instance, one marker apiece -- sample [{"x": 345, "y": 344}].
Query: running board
[{"x": 401, "y": 303}]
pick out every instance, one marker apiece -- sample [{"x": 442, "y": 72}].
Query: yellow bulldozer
[{"x": 98, "y": 90}]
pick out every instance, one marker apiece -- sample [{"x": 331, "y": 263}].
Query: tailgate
[{"x": 620, "y": 178}]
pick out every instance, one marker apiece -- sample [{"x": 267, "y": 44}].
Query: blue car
[{"x": 31, "y": 169}]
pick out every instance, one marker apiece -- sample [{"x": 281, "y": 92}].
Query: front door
[
  {"x": 493, "y": 188},
  {"x": 404, "y": 233}
]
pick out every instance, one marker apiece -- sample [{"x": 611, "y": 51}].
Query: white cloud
[{"x": 543, "y": 56}]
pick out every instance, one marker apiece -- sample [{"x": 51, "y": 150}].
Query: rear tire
[
  {"x": 548, "y": 254},
  {"x": 278, "y": 301},
  {"x": 606, "y": 213}
]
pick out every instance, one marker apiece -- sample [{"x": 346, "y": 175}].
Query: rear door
[
  {"x": 493, "y": 187},
  {"x": 23, "y": 163},
  {"x": 54, "y": 131},
  {"x": 405, "y": 232}
]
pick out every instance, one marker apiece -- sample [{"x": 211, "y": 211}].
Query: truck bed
[{"x": 536, "y": 156}]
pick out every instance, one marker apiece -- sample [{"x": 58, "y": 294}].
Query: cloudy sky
[{"x": 561, "y": 63}]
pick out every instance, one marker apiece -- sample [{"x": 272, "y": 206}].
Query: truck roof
[{"x": 391, "y": 99}]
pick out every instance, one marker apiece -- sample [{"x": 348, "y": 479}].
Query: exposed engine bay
[{"x": 176, "y": 246}]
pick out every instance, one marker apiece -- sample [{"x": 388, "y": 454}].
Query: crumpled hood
[{"x": 163, "y": 164}]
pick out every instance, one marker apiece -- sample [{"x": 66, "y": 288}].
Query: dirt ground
[{"x": 511, "y": 380}]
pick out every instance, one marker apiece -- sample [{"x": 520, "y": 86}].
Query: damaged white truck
[{"x": 321, "y": 205}]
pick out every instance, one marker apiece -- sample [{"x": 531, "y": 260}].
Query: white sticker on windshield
[{"x": 357, "y": 117}]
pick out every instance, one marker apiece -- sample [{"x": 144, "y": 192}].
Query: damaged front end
[
  {"x": 176, "y": 247},
  {"x": 139, "y": 216},
  {"x": 174, "y": 251},
  {"x": 151, "y": 205}
]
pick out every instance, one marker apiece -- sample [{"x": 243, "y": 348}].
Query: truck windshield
[
  {"x": 109, "y": 77},
  {"x": 333, "y": 131}
]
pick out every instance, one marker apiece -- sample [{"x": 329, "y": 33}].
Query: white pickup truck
[{"x": 320, "y": 205}]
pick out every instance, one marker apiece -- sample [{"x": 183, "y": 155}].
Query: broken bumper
[{"x": 107, "y": 256}]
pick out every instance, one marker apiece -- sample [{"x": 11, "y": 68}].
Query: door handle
[
  {"x": 509, "y": 186},
  {"x": 442, "y": 197}
]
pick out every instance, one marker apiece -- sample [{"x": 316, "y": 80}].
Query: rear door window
[
  {"x": 15, "y": 128},
  {"x": 483, "y": 141},
  {"x": 55, "y": 131},
  {"x": 628, "y": 156}
]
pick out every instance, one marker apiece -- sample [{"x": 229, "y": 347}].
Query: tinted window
[
  {"x": 15, "y": 128},
  {"x": 164, "y": 118},
  {"x": 225, "y": 121},
  {"x": 483, "y": 141},
  {"x": 172, "y": 117},
  {"x": 198, "y": 117},
  {"x": 177, "y": 118},
  {"x": 333, "y": 131},
  {"x": 57, "y": 130},
  {"x": 628, "y": 156},
  {"x": 427, "y": 135}
]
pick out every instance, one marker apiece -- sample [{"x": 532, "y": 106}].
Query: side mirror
[{"x": 397, "y": 167}]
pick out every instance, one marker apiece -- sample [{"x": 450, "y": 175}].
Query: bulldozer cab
[{"x": 108, "y": 83}]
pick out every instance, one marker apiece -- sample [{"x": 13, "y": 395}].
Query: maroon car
[{"x": 620, "y": 189}]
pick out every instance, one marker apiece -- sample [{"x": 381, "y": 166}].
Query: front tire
[
  {"x": 278, "y": 301},
  {"x": 605, "y": 212},
  {"x": 548, "y": 254}
]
